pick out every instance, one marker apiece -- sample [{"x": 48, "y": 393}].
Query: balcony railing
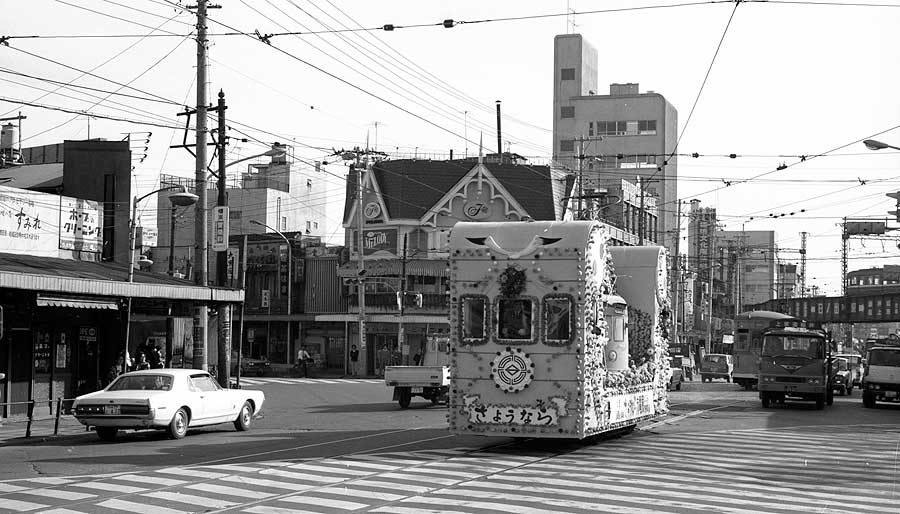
[{"x": 387, "y": 302}]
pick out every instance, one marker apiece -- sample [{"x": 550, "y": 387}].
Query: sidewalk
[{"x": 13, "y": 430}]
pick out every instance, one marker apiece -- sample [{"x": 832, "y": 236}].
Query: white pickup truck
[{"x": 430, "y": 380}]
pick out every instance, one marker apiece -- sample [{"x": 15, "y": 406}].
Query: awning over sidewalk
[
  {"x": 393, "y": 267},
  {"x": 71, "y": 278},
  {"x": 83, "y": 302}
]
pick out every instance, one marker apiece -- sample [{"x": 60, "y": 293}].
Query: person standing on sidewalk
[
  {"x": 303, "y": 358},
  {"x": 354, "y": 361}
]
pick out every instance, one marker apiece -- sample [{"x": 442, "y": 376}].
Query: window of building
[
  {"x": 316, "y": 225},
  {"x": 567, "y": 74},
  {"x": 235, "y": 214},
  {"x": 567, "y": 145},
  {"x": 647, "y": 127},
  {"x": 284, "y": 223},
  {"x": 631, "y": 128},
  {"x": 567, "y": 111},
  {"x": 308, "y": 227},
  {"x": 309, "y": 184},
  {"x": 590, "y": 128}
]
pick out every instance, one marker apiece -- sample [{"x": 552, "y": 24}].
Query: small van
[{"x": 716, "y": 365}]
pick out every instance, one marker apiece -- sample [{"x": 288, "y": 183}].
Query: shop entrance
[{"x": 21, "y": 360}]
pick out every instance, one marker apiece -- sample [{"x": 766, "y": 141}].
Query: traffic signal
[{"x": 895, "y": 196}]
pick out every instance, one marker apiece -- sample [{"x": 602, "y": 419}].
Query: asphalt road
[{"x": 334, "y": 447}]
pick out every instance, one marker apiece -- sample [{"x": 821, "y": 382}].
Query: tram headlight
[{"x": 813, "y": 381}]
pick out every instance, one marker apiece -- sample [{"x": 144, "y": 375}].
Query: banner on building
[
  {"x": 42, "y": 224},
  {"x": 378, "y": 241}
]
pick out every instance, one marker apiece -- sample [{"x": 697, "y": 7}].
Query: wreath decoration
[{"x": 512, "y": 281}]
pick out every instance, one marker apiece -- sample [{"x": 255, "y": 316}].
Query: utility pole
[
  {"x": 677, "y": 274},
  {"x": 709, "y": 271},
  {"x": 360, "y": 263},
  {"x": 401, "y": 301},
  {"x": 641, "y": 215},
  {"x": 224, "y": 309},
  {"x": 580, "y": 176},
  {"x": 200, "y": 228}
]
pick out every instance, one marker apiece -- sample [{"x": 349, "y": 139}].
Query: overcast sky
[{"x": 791, "y": 79}]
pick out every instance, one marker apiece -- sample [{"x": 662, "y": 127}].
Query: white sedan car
[{"x": 170, "y": 399}]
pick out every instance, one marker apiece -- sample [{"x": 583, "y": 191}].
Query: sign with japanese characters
[
  {"x": 628, "y": 406},
  {"x": 543, "y": 413},
  {"x": 42, "y": 224}
]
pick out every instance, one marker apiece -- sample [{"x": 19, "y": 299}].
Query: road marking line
[
  {"x": 61, "y": 495},
  {"x": 230, "y": 491},
  {"x": 419, "y": 478},
  {"x": 302, "y": 476},
  {"x": 362, "y": 493},
  {"x": 106, "y": 486},
  {"x": 235, "y": 468},
  {"x": 10, "y": 488},
  {"x": 396, "y": 509},
  {"x": 392, "y": 485},
  {"x": 481, "y": 505},
  {"x": 167, "y": 482},
  {"x": 61, "y": 511},
  {"x": 359, "y": 464},
  {"x": 192, "y": 472},
  {"x": 262, "y": 482},
  {"x": 50, "y": 480},
  {"x": 21, "y": 506},
  {"x": 326, "y": 502},
  {"x": 139, "y": 508},
  {"x": 335, "y": 469},
  {"x": 191, "y": 499},
  {"x": 276, "y": 510}
]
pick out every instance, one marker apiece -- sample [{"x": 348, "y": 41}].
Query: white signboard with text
[{"x": 42, "y": 224}]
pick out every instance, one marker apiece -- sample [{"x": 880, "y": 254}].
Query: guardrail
[{"x": 63, "y": 405}]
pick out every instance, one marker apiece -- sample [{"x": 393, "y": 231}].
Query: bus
[
  {"x": 795, "y": 363},
  {"x": 553, "y": 332},
  {"x": 748, "y": 330}
]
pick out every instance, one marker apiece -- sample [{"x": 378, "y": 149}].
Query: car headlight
[{"x": 813, "y": 381}]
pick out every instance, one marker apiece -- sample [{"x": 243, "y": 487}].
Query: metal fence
[{"x": 62, "y": 419}]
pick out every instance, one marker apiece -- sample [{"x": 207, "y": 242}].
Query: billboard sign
[{"x": 42, "y": 224}]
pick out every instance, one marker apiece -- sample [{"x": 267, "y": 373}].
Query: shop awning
[
  {"x": 76, "y": 303},
  {"x": 394, "y": 267}
]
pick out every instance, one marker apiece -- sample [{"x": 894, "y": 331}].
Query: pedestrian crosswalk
[
  {"x": 255, "y": 381},
  {"x": 811, "y": 469}
]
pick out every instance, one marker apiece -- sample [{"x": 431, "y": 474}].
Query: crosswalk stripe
[
  {"x": 234, "y": 468},
  {"x": 228, "y": 490},
  {"x": 413, "y": 477},
  {"x": 517, "y": 496},
  {"x": 110, "y": 487},
  {"x": 191, "y": 499},
  {"x": 191, "y": 472},
  {"x": 60, "y": 494},
  {"x": 392, "y": 486},
  {"x": 155, "y": 481},
  {"x": 262, "y": 482},
  {"x": 332, "y": 469},
  {"x": 138, "y": 508},
  {"x": 51, "y": 480},
  {"x": 61, "y": 511},
  {"x": 11, "y": 488},
  {"x": 265, "y": 509},
  {"x": 362, "y": 493},
  {"x": 358, "y": 464},
  {"x": 21, "y": 506},
  {"x": 325, "y": 502},
  {"x": 302, "y": 476},
  {"x": 481, "y": 505}
]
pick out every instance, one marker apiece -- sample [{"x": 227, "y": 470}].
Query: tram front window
[{"x": 515, "y": 319}]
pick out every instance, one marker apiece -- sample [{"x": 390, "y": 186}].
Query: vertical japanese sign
[
  {"x": 41, "y": 224},
  {"x": 220, "y": 229}
]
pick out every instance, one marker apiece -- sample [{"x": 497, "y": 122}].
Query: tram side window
[
  {"x": 515, "y": 319},
  {"x": 474, "y": 314},
  {"x": 557, "y": 320}
]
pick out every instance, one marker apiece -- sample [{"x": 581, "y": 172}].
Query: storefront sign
[
  {"x": 42, "y": 224},
  {"x": 380, "y": 240},
  {"x": 627, "y": 406},
  {"x": 220, "y": 229},
  {"x": 476, "y": 210}
]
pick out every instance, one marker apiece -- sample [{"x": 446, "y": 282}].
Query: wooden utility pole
[
  {"x": 401, "y": 301},
  {"x": 360, "y": 262},
  {"x": 224, "y": 309}
]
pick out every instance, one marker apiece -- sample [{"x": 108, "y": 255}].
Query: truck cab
[{"x": 881, "y": 379}]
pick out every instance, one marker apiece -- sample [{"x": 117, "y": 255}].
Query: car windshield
[
  {"x": 142, "y": 383},
  {"x": 714, "y": 358},
  {"x": 802, "y": 346},
  {"x": 839, "y": 365},
  {"x": 884, "y": 357}
]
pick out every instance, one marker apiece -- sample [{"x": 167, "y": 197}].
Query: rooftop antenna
[{"x": 570, "y": 17}]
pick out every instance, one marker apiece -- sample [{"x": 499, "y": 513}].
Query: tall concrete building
[{"x": 623, "y": 135}]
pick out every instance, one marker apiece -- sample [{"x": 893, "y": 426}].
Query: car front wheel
[
  {"x": 242, "y": 423},
  {"x": 178, "y": 426},
  {"x": 107, "y": 433}
]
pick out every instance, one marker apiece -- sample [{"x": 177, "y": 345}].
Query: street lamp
[
  {"x": 290, "y": 265},
  {"x": 181, "y": 198}
]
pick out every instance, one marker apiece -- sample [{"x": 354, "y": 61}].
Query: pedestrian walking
[{"x": 354, "y": 361}]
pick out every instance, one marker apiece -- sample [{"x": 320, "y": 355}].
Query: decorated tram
[{"x": 554, "y": 333}]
